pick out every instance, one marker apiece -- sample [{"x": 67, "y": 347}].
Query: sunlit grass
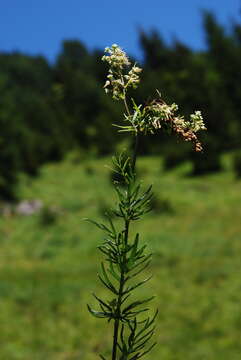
[{"x": 48, "y": 272}]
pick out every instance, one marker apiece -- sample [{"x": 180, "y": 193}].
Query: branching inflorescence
[{"x": 126, "y": 258}]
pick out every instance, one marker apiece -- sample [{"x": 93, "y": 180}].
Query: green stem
[
  {"x": 123, "y": 270},
  {"x": 126, "y": 105},
  {"x": 135, "y": 152},
  {"x": 119, "y": 300},
  {"x": 124, "y": 93}
]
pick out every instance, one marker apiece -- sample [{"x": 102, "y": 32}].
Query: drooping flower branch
[{"x": 157, "y": 114}]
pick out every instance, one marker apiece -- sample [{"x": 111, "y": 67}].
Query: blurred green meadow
[{"x": 49, "y": 263}]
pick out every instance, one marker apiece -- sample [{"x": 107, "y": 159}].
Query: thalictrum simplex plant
[{"x": 125, "y": 258}]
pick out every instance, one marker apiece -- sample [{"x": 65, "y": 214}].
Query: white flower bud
[
  {"x": 136, "y": 69},
  {"x": 196, "y": 121},
  {"x": 107, "y": 83}
]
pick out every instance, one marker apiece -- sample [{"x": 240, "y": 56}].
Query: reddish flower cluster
[
  {"x": 163, "y": 112},
  {"x": 188, "y": 135}
]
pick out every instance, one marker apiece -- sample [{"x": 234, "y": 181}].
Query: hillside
[{"x": 49, "y": 264}]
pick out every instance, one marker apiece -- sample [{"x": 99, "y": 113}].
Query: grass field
[{"x": 49, "y": 264}]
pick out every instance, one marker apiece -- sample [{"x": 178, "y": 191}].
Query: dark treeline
[{"x": 47, "y": 110}]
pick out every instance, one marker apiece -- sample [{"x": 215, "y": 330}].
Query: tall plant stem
[
  {"x": 135, "y": 152},
  {"x": 119, "y": 300},
  {"x": 136, "y": 135},
  {"x": 122, "y": 279},
  {"x": 126, "y": 104}
]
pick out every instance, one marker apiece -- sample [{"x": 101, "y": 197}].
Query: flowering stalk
[{"x": 126, "y": 258}]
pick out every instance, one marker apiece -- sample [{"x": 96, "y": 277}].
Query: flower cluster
[
  {"x": 196, "y": 122},
  {"x": 149, "y": 118},
  {"x": 157, "y": 114},
  {"x": 163, "y": 113},
  {"x": 117, "y": 57},
  {"x": 118, "y": 78},
  {"x": 133, "y": 76},
  {"x": 188, "y": 129},
  {"x": 159, "y": 111}
]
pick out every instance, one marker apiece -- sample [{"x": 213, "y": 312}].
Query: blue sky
[{"x": 38, "y": 27}]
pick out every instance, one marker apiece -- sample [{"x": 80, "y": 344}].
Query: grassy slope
[{"x": 48, "y": 272}]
